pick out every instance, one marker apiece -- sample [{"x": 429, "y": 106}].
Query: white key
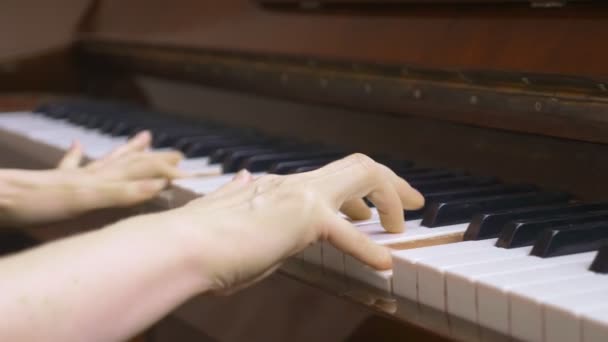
[
  {"x": 595, "y": 325},
  {"x": 414, "y": 235},
  {"x": 8, "y": 119},
  {"x": 526, "y": 314},
  {"x": 96, "y": 144},
  {"x": 313, "y": 254},
  {"x": 431, "y": 280},
  {"x": 200, "y": 167},
  {"x": 332, "y": 258},
  {"x": 563, "y": 315},
  {"x": 405, "y": 279},
  {"x": 488, "y": 304}
]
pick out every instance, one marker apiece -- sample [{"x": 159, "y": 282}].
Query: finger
[
  {"x": 389, "y": 207},
  {"x": 350, "y": 177},
  {"x": 357, "y": 176},
  {"x": 241, "y": 179},
  {"x": 344, "y": 236},
  {"x": 123, "y": 194},
  {"x": 155, "y": 165},
  {"x": 72, "y": 158},
  {"x": 237, "y": 185},
  {"x": 140, "y": 142},
  {"x": 170, "y": 157},
  {"x": 356, "y": 209},
  {"x": 148, "y": 165},
  {"x": 243, "y": 176},
  {"x": 162, "y": 169},
  {"x": 410, "y": 198}
]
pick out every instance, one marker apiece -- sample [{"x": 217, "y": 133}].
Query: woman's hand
[
  {"x": 243, "y": 231},
  {"x": 141, "y": 268},
  {"x": 124, "y": 177}
]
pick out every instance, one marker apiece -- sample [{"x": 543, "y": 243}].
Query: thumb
[
  {"x": 122, "y": 194},
  {"x": 72, "y": 158}
]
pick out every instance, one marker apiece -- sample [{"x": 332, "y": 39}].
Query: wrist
[
  {"x": 10, "y": 191},
  {"x": 182, "y": 244}
]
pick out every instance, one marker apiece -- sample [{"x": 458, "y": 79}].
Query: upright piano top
[
  {"x": 500, "y": 37},
  {"x": 504, "y": 65}
]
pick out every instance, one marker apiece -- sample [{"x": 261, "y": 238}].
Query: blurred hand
[
  {"x": 243, "y": 231},
  {"x": 126, "y": 176}
]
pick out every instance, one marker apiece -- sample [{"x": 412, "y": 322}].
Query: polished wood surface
[
  {"x": 372, "y": 4},
  {"x": 558, "y": 106},
  {"x": 512, "y": 68},
  {"x": 29, "y": 28},
  {"x": 49, "y": 71},
  {"x": 566, "y": 41}
]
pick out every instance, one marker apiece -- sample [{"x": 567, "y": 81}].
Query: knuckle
[
  {"x": 306, "y": 197},
  {"x": 368, "y": 164},
  {"x": 363, "y": 160}
]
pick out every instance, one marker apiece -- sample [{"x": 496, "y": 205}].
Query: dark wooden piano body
[{"x": 501, "y": 89}]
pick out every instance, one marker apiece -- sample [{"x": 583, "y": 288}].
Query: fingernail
[
  {"x": 144, "y": 135},
  {"x": 75, "y": 145},
  {"x": 242, "y": 175}
]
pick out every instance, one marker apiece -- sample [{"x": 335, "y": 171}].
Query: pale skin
[
  {"x": 126, "y": 176},
  {"x": 112, "y": 283}
]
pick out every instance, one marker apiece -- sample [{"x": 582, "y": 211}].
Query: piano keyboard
[{"x": 509, "y": 257}]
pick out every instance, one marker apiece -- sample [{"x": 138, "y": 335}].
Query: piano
[{"x": 497, "y": 111}]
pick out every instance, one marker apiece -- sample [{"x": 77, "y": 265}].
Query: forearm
[
  {"x": 101, "y": 286},
  {"x": 29, "y": 197}
]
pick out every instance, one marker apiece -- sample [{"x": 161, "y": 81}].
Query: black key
[
  {"x": 185, "y": 143},
  {"x": 305, "y": 169},
  {"x": 461, "y": 211},
  {"x": 393, "y": 163},
  {"x": 163, "y": 139},
  {"x": 567, "y": 240},
  {"x": 284, "y": 168},
  {"x": 600, "y": 262},
  {"x": 525, "y": 232},
  {"x": 220, "y": 154},
  {"x": 489, "y": 225},
  {"x": 426, "y": 186},
  {"x": 473, "y": 192},
  {"x": 140, "y": 127},
  {"x": 233, "y": 161},
  {"x": 204, "y": 148},
  {"x": 94, "y": 121},
  {"x": 108, "y": 125},
  {"x": 407, "y": 172},
  {"x": 118, "y": 128},
  {"x": 78, "y": 118},
  {"x": 56, "y": 111},
  {"x": 263, "y": 162},
  {"x": 430, "y": 176},
  {"x": 287, "y": 167}
]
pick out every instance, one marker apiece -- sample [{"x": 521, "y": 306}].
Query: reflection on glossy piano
[{"x": 497, "y": 113}]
